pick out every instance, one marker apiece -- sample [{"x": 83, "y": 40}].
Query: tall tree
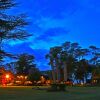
[
  {"x": 69, "y": 58},
  {"x": 51, "y": 62},
  {"x": 95, "y": 52},
  {"x": 56, "y": 55},
  {"x": 24, "y": 64},
  {"x": 12, "y": 27},
  {"x": 73, "y": 60},
  {"x": 55, "y": 61},
  {"x": 83, "y": 70},
  {"x": 64, "y": 62}
]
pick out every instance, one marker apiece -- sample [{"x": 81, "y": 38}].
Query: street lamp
[{"x": 7, "y": 76}]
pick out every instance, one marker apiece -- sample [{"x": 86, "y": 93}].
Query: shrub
[{"x": 58, "y": 87}]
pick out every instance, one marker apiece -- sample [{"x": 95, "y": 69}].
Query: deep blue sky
[{"x": 56, "y": 21}]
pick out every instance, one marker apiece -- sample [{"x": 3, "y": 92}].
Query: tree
[
  {"x": 51, "y": 62},
  {"x": 4, "y": 54},
  {"x": 24, "y": 64},
  {"x": 64, "y": 61},
  {"x": 56, "y": 54},
  {"x": 34, "y": 74},
  {"x": 68, "y": 57},
  {"x": 72, "y": 61},
  {"x": 83, "y": 70},
  {"x": 11, "y": 26},
  {"x": 54, "y": 57},
  {"x": 11, "y": 66},
  {"x": 95, "y": 52}
]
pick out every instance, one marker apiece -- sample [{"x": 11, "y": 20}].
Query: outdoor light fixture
[{"x": 7, "y": 76}]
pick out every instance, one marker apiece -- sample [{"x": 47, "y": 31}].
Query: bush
[{"x": 58, "y": 87}]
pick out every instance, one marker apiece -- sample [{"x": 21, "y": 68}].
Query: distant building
[
  {"x": 20, "y": 79},
  {"x": 96, "y": 80}
]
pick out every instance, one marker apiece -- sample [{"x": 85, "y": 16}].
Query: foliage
[
  {"x": 34, "y": 74},
  {"x": 57, "y": 87},
  {"x": 12, "y": 27},
  {"x": 77, "y": 63},
  {"x": 24, "y": 64}
]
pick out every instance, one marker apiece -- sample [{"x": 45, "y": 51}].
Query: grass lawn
[{"x": 27, "y": 93}]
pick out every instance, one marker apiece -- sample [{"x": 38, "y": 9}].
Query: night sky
[{"x": 53, "y": 22}]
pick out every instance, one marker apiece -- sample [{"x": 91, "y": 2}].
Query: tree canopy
[
  {"x": 12, "y": 27},
  {"x": 75, "y": 62}
]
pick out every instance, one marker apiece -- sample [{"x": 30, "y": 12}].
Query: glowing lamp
[{"x": 7, "y": 76}]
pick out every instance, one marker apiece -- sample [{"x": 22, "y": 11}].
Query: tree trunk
[
  {"x": 53, "y": 75},
  {"x": 65, "y": 72},
  {"x": 58, "y": 73}
]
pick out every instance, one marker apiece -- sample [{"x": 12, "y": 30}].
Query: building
[{"x": 96, "y": 80}]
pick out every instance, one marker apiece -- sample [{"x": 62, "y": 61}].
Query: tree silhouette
[
  {"x": 24, "y": 64},
  {"x": 74, "y": 61},
  {"x": 11, "y": 26}
]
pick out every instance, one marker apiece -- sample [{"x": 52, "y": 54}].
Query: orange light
[{"x": 7, "y": 76}]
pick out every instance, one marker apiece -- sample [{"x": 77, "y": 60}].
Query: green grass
[{"x": 27, "y": 93}]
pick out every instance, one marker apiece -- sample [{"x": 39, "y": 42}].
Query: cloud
[
  {"x": 39, "y": 54},
  {"x": 51, "y": 37},
  {"x": 52, "y": 32},
  {"x": 57, "y": 21}
]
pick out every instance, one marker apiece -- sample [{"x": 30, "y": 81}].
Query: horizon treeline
[{"x": 71, "y": 61}]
